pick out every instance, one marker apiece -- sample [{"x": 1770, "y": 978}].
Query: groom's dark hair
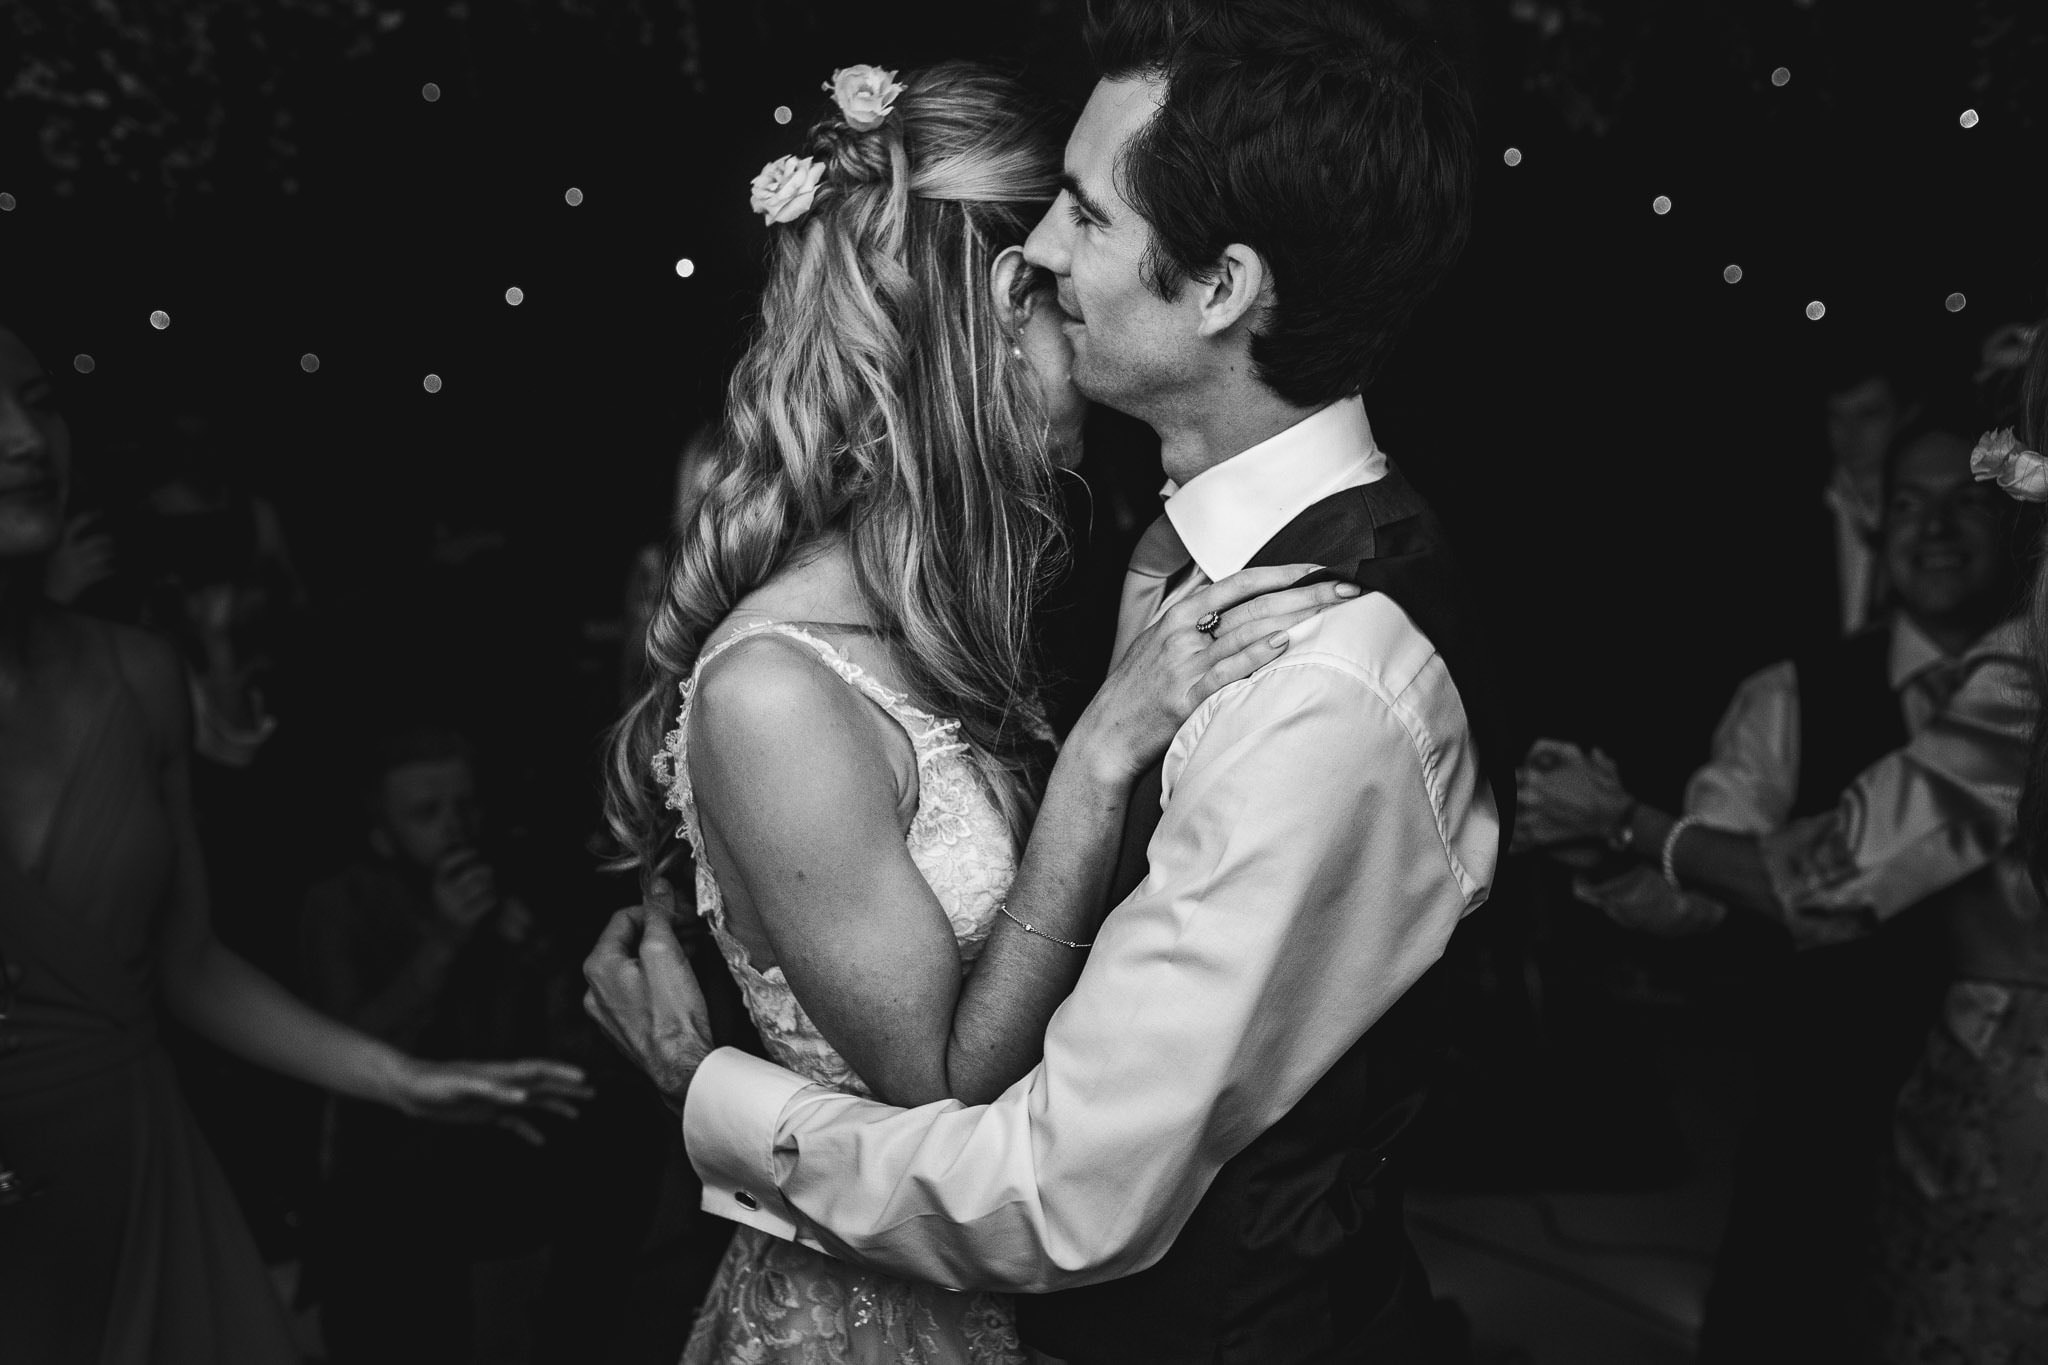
[{"x": 1331, "y": 138}]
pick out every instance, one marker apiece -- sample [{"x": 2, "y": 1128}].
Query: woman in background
[{"x": 134, "y": 1250}]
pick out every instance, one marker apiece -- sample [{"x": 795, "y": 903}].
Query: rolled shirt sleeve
[
  {"x": 1923, "y": 817},
  {"x": 1747, "y": 786},
  {"x": 1326, "y": 825}
]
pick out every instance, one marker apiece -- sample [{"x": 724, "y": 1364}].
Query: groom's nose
[{"x": 1046, "y": 247}]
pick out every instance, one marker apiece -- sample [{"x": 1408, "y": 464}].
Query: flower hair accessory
[
  {"x": 783, "y": 191},
  {"x": 866, "y": 95},
  {"x": 2020, "y": 472}
]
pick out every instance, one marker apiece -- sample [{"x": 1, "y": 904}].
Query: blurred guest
[
  {"x": 2000, "y": 377},
  {"x": 209, "y": 559},
  {"x": 1966, "y": 1278},
  {"x": 421, "y": 944},
  {"x": 696, "y": 468},
  {"x": 1860, "y": 800},
  {"x": 1868, "y": 401},
  {"x": 135, "y": 1251}
]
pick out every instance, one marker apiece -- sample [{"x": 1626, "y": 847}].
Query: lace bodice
[{"x": 958, "y": 839}]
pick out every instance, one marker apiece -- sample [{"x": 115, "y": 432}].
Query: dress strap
[{"x": 924, "y": 728}]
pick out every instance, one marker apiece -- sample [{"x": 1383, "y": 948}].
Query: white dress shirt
[
  {"x": 1325, "y": 826},
  {"x": 1933, "y": 820},
  {"x": 1856, "y": 561}
]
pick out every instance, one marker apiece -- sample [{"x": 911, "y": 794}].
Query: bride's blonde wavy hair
[{"x": 879, "y": 397}]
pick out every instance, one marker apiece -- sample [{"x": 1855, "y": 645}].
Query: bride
[{"x": 841, "y": 725}]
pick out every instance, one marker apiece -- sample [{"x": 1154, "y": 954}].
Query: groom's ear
[
  {"x": 1010, "y": 285},
  {"x": 1241, "y": 288}
]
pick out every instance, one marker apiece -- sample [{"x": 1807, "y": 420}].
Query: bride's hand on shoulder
[{"x": 1214, "y": 636}]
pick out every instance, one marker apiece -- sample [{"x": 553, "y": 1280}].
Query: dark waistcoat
[
  {"x": 1835, "y": 1032},
  {"x": 1849, "y": 717},
  {"x": 1297, "y": 1253},
  {"x": 1853, "y": 1015}
]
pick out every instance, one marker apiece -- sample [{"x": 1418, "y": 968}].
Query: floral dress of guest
[
  {"x": 1963, "y": 1212},
  {"x": 775, "y": 1302},
  {"x": 1962, "y": 1205}
]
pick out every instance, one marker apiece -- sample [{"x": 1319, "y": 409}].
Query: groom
[{"x": 1206, "y": 1165}]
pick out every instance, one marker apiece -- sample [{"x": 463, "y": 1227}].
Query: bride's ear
[{"x": 1010, "y": 285}]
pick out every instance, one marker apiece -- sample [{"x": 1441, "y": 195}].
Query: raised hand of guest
[
  {"x": 83, "y": 557},
  {"x": 515, "y": 923},
  {"x": 1566, "y": 795},
  {"x": 465, "y": 889},
  {"x": 1216, "y": 635}
]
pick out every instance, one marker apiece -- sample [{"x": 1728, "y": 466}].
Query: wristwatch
[{"x": 1622, "y": 837}]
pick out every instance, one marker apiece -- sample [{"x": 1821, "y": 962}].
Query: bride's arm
[
  {"x": 799, "y": 801},
  {"x": 798, "y": 785}
]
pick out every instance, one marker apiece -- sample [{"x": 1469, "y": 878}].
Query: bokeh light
[
  {"x": 1955, "y": 303},
  {"x": 1969, "y": 118},
  {"x": 6, "y": 203},
  {"x": 572, "y": 196},
  {"x": 515, "y": 296},
  {"x": 1781, "y": 77},
  {"x": 783, "y": 113},
  {"x": 432, "y": 383},
  {"x": 1816, "y": 310},
  {"x": 1513, "y": 156},
  {"x": 1662, "y": 203},
  {"x": 84, "y": 363},
  {"x": 309, "y": 362},
  {"x": 686, "y": 267},
  {"x": 430, "y": 92},
  {"x": 1733, "y": 274},
  {"x": 159, "y": 319}
]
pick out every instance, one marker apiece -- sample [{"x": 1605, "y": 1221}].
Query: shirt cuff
[
  {"x": 730, "y": 1119},
  {"x": 1641, "y": 899}
]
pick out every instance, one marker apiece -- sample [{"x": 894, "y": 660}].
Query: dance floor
[{"x": 1580, "y": 1267}]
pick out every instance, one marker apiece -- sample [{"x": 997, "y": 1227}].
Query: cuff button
[{"x": 746, "y": 1201}]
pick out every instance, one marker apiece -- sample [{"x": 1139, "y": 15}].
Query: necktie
[
  {"x": 1929, "y": 691},
  {"x": 1159, "y": 565}
]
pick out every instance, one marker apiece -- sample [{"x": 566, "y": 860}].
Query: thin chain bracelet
[{"x": 1004, "y": 906}]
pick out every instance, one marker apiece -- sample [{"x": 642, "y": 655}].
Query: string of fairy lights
[
  {"x": 85, "y": 363},
  {"x": 1816, "y": 309},
  {"x": 1513, "y": 157}
]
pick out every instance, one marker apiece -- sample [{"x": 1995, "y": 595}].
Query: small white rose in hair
[
  {"x": 866, "y": 94},
  {"x": 2020, "y": 472},
  {"x": 783, "y": 191}
]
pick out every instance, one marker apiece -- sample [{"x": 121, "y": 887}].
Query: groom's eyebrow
[{"x": 1081, "y": 197}]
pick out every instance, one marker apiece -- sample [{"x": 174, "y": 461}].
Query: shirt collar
[
  {"x": 1912, "y": 653},
  {"x": 1225, "y": 513}
]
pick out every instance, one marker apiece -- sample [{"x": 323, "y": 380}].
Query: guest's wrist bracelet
[
  {"x": 1004, "y": 906},
  {"x": 1678, "y": 827}
]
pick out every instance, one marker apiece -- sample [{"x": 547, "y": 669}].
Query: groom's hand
[{"x": 644, "y": 995}]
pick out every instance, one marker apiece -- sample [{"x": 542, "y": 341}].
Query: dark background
[{"x": 1629, "y": 446}]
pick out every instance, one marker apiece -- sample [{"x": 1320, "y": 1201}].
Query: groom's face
[{"x": 1131, "y": 347}]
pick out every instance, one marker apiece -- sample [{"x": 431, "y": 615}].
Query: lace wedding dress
[{"x": 774, "y": 1302}]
